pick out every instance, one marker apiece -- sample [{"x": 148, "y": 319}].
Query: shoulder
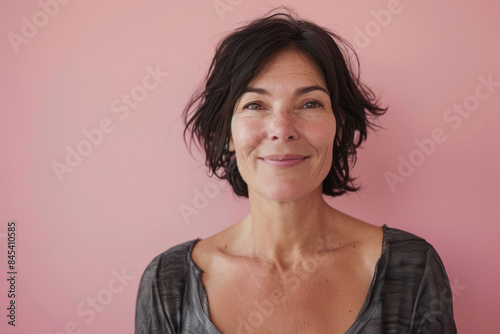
[
  {"x": 403, "y": 246},
  {"x": 411, "y": 253},
  {"x": 395, "y": 235},
  {"x": 161, "y": 290},
  {"x": 170, "y": 264},
  {"x": 416, "y": 285}
]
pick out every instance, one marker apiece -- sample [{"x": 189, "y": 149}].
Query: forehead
[{"x": 290, "y": 64}]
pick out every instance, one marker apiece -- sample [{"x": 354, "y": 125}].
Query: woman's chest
[{"x": 311, "y": 300}]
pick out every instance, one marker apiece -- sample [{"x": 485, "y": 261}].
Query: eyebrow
[{"x": 298, "y": 91}]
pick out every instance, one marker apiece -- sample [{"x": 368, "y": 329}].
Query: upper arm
[
  {"x": 150, "y": 315},
  {"x": 433, "y": 310}
]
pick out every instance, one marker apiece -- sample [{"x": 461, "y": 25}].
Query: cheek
[
  {"x": 246, "y": 135},
  {"x": 322, "y": 138},
  {"x": 323, "y": 133}
]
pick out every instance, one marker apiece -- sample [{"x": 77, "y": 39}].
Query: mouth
[{"x": 283, "y": 160}]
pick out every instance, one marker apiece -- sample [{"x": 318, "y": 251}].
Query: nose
[{"x": 281, "y": 126}]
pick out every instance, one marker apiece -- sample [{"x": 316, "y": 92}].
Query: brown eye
[
  {"x": 312, "y": 105},
  {"x": 253, "y": 106}
]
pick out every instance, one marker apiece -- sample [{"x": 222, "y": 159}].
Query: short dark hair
[{"x": 241, "y": 55}]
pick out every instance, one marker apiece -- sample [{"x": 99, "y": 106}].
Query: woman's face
[{"x": 283, "y": 129}]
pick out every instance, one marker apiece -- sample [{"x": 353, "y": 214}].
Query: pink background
[{"x": 121, "y": 205}]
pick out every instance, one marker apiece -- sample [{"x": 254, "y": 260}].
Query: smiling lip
[{"x": 283, "y": 160}]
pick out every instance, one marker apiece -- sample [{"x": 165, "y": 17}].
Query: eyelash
[
  {"x": 315, "y": 102},
  {"x": 247, "y": 106}
]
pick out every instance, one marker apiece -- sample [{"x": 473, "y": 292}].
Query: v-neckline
[{"x": 203, "y": 298}]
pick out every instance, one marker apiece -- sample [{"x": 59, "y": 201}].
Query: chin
[{"x": 286, "y": 191}]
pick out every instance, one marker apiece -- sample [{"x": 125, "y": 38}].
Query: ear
[{"x": 231, "y": 144}]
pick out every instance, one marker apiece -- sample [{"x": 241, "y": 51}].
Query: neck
[{"x": 284, "y": 233}]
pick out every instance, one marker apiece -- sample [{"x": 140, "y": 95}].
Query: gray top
[{"x": 410, "y": 292}]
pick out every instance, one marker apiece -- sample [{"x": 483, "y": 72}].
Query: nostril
[
  {"x": 281, "y": 127},
  {"x": 285, "y": 136}
]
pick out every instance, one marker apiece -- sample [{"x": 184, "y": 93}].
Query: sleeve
[
  {"x": 150, "y": 316},
  {"x": 433, "y": 310}
]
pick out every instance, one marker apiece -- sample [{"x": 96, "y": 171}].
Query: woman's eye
[
  {"x": 312, "y": 104},
  {"x": 253, "y": 106}
]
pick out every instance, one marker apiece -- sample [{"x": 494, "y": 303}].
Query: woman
[{"x": 280, "y": 117}]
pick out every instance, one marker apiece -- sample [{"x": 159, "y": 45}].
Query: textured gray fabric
[{"x": 410, "y": 292}]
